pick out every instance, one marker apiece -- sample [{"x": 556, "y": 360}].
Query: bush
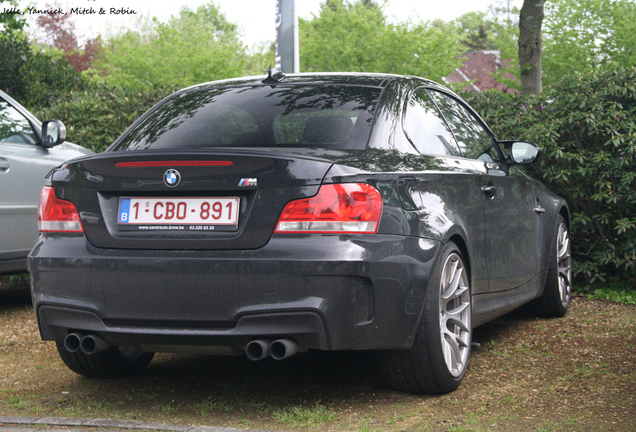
[
  {"x": 95, "y": 117},
  {"x": 34, "y": 78},
  {"x": 94, "y": 114},
  {"x": 586, "y": 127}
]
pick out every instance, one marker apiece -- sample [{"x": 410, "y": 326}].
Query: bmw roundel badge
[{"x": 171, "y": 177}]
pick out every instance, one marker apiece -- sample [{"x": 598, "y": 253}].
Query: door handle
[
  {"x": 489, "y": 191},
  {"x": 539, "y": 209},
  {"x": 4, "y": 164}
]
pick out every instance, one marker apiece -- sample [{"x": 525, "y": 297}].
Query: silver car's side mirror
[
  {"x": 524, "y": 153},
  {"x": 53, "y": 133}
]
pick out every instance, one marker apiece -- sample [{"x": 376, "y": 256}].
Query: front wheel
[
  {"x": 115, "y": 362},
  {"x": 438, "y": 359}
]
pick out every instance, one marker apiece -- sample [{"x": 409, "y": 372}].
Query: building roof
[{"x": 479, "y": 69}]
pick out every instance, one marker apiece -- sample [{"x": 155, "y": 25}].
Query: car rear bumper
[{"x": 327, "y": 292}]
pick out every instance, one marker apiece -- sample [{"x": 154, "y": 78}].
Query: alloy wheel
[
  {"x": 564, "y": 264},
  {"x": 455, "y": 315}
]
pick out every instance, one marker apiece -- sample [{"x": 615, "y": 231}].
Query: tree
[
  {"x": 530, "y": 21},
  {"x": 260, "y": 58},
  {"x": 32, "y": 77},
  {"x": 588, "y": 36},
  {"x": 60, "y": 35},
  {"x": 576, "y": 36},
  {"x": 475, "y": 29},
  {"x": 11, "y": 22},
  {"x": 356, "y": 36},
  {"x": 193, "y": 47}
]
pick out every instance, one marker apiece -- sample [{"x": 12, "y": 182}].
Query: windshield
[{"x": 314, "y": 116}]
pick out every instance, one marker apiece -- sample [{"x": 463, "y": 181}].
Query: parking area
[{"x": 575, "y": 373}]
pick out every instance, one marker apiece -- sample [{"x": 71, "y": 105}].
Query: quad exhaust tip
[
  {"x": 258, "y": 349},
  {"x": 279, "y": 349},
  {"x": 72, "y": 342}
]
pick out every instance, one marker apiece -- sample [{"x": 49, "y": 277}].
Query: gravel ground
[{"x": 575, "y": 373}]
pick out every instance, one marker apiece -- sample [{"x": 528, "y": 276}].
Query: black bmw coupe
[{"x": 272, "y": 215}]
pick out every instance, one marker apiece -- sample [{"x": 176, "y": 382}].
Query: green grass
[
  {"x": 624, "y": 297},
  {"x": 297, "y": 416},
  {"x": 618, "y": 291}
]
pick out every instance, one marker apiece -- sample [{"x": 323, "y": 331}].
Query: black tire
[
  {"x": 115, "y": 362},
  {"x": 555, "y": 300},
  {"x": 429, "y": 366}
]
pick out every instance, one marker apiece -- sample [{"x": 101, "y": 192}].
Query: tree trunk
[{"x": 530, "y": 21}]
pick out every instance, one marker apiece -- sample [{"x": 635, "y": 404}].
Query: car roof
[{"x": 380, "y": 80}]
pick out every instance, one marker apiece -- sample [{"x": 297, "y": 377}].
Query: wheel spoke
[
  {"x": 455, "y": 275},
  {"x": 455, "y": 351},
  {"x": 457, "y": 317},
  {"x": 451, "y": 343}
]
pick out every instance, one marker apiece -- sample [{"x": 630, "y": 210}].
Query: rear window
[{"x": 326, "y": 116}]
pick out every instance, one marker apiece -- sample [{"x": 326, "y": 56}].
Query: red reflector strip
[{"x": 165, "y": 164}]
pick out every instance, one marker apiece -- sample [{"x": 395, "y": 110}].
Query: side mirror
[
  {"x": 53, "y": 133},
  {"x": 524, "y": 153}
]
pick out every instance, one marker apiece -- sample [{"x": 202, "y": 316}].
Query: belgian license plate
[{"x": 181, "y": 211}]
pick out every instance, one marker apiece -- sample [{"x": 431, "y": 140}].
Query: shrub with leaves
[
  {"x": 33, "y": 78},
  {"x": 586, "y": 126},
  {"x": 97, "y": 116}
]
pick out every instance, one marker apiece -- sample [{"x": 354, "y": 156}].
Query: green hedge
[
  {"x": 33, "y": 78},
  {"x": 95, "y": 117},
  {"x": 586, "y": 128}
]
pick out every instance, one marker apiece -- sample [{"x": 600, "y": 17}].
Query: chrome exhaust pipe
[
  {"x": 91, "y": 344},
  {"x": 72, "y": 342},
  {"x": 283, "y": 348},
  {"x": 258, "y": 349}
]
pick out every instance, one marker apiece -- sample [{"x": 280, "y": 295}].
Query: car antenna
[{"x": 274, "y": 76}]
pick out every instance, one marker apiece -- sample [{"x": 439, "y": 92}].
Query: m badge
[{"x": 248, "y": 182}]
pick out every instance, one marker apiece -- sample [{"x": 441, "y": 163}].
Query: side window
[
  {"x": 475, "y": 142},
  {"x": 14, "y": 127},
  {"x": 426, "y": 128}
]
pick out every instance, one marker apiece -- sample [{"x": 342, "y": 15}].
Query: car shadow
[
  {"x": 14, "y": 292},
  {"x": 309, "y": 376},
  {"x": 304, "y": 378}
]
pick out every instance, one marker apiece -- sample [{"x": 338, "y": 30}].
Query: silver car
[{"x": 28, "y": 151}]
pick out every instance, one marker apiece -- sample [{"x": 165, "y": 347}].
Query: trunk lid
[{"x": 260, "y": 182}]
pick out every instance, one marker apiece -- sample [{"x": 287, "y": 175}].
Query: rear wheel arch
[
  {"x": 565, "y": 213},
  {"x": 463, "y": 248},
  {"x": 459, "y": 242},
  {"x": 438, "y": 359},
  {"x": 557, "y": 291}
]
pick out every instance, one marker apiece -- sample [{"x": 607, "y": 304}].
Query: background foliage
[
  {"x": 357, "y": 37},
  {"x": 587, "y": 35},
  {"x": 584, "y": 120},
  {"x": 97, "y": 116},
  {"x": 586, "y": 126},
  {"x": 193, "y": 47},
  {"x": 33, "y": 78}
]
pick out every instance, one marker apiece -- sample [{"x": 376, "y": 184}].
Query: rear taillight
[
  {"x": 346, "y": 208},
  {"x": 56, "y": 215}
]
